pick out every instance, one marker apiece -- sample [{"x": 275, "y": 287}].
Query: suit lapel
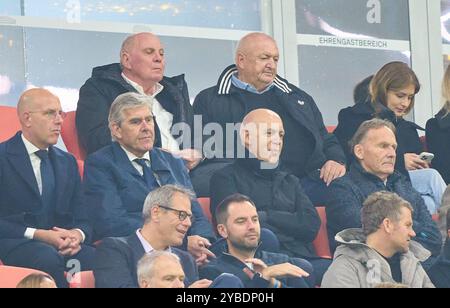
[
  {"x": 20, "y": 161},
  {"x": 123, "y": 163},
  {"x": 160, "y": 168},
  {"x": 137, "y": 248}
]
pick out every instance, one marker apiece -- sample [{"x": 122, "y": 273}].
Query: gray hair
[
  {"x": 163, "y": 197},
  {"x": 364, "y": 130},
  {"x": 127, "y": 43},
  {"x": 126, "y": 101},
  {"x": 378, "y": 207},
  {"x": 146, "y": 265}
]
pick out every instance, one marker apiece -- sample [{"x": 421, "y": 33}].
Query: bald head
[
  {"x": 41, "y": 117},
  {"x": 247, "y": 43},
  {"x": 262, "y": 133},
  {"x": 133, "y": 40},
  {"x": 29, "y": 99},
  {"x": 259, "y": 116}
]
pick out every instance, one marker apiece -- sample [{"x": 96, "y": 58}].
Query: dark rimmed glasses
[{"x": 182, "y": 215}]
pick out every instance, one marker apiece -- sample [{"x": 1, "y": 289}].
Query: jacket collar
[
  {"x": 364, "y": 108},
  {"x": 354, "y": 243},
  {"x": 258, "y": 167},
  {"x": 136, "y": 246},
  {"x": 226, "y": 256},
  {"x": 159, "y": 165},
  {"x": 113, "y": 72},
  {"x": 20, "y": 159},
  {"x": 357, "y": 168},
  {"x": 443, "y": 120},
  {"x": 225, "y": 82},
  {"x": 384, "y": 113}
]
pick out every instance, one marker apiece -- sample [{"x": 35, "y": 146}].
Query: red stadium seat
[
  {"x": 423, "y": 139},
  {"x": 331, "y": 129},
  {"x": 83, "y": 280},
  {"x": 11, "y": 276},
  {"x": 70, "y": 137},
  {"x": 205, "y": 204},
  {"x": 321, "y": 243},
  {"x": 9, "y": 122}
]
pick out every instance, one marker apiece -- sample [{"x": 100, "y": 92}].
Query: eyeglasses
[
  {"x": 51, "y": 114},
  {"x": 182, "y": 215}
]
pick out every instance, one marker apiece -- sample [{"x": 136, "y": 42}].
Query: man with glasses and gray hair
[
  {"x": 119, "y": 177},
  {"x": 43, "y": 219},
  {"x": 167, "y": 218}
]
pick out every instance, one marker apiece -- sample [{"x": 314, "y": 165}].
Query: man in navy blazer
[
  {"x": 119, "y": 177},
  {"x": 43, "y": 221},
  {"x": 167, "y": 219}
]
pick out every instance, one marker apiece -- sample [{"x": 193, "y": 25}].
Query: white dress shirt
[
  {"x": 138, "y": 167},
  {"x": 163, "y": 118},
  {"x": 147, "y": 247},
  {"x": 133, "y": 157}
]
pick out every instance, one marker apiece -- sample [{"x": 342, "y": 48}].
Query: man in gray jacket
[{"x": 382, "y": 251}]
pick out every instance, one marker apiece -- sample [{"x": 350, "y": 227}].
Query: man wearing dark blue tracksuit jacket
[{"x": 311, "y": 153}]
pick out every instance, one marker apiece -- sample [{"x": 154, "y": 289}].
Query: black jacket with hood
[{"x": 99, "y": 92}]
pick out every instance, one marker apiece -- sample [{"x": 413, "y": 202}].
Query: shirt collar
[
  {"x": 140, "y": 89},
  {"x": 133, "y": 157},
  {"x": 248, "y": 87},
  {"x": 31, "y": 148},
  {"x": 147, "y": 247}
]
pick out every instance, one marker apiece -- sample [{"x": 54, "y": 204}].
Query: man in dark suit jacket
[
  {"x": 119, "y": 177},
  {"x": 167, "y": 219},
  {"x": 43, "y": 222}
]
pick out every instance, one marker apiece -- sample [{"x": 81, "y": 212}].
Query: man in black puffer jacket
[
  {"x": 141, "y": 70},
  {"x": 282, "y": 205}
]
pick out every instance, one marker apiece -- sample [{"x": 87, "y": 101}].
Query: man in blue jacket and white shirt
[{"x": 119, "y": 177}]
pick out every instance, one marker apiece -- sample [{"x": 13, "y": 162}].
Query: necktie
[
  {"x": 48, "y": 189},
  {"x": 149, "y": 177}
]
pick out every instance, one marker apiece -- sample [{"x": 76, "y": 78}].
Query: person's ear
[
  {"x": 125, "y": 60},
  {"x": 222, "y": 230},
  {"x": 240, "y": 59},
  {"x": 26, "y": 119},
  {"x": 116, "y": 130},
  {"x": 143, "y": 284},
  {"x": 359, "y": 151},
  {"x": 155, "y": 213},
  {"x": 388, "y": 226}
]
